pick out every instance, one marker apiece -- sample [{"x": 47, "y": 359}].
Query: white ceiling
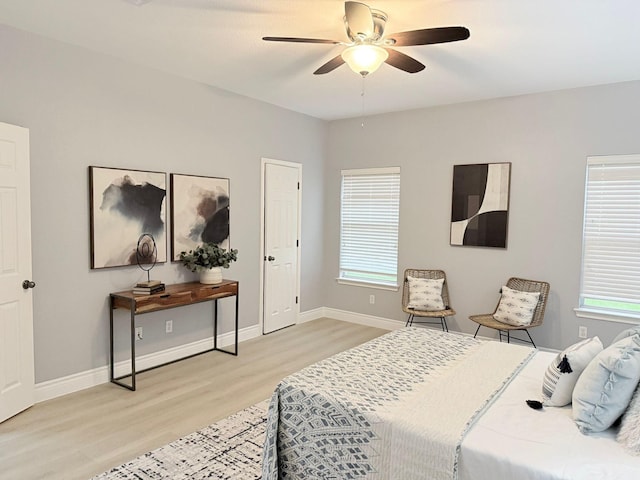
[{"x": 516, "y": 46}]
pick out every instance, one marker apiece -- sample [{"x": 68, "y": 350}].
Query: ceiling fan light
[{"x": 364, "y": 59}]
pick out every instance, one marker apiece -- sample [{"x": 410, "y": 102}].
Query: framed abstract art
[
  {"x": 480, "y": 204},
  {"x": 124, "y": 205},
  {"x": 199, "y": 212}
]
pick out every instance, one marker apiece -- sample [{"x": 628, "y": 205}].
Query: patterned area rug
[{"x": 229, "y": 449}]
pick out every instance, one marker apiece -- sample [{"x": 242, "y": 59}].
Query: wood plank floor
[{"x": 83, "y": 434}]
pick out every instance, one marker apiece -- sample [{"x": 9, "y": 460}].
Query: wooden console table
[{"x": 177, "y": 295}]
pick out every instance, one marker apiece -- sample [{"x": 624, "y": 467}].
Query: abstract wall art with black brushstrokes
[
  {"x": 125, "y": 204},
  {"x": 199, "y": 212},
  {"x": 480, "y": 204}
]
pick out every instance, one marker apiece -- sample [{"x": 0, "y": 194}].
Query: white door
[
  {"x": 281, "y": 244},
  {"x": 16, "y": 310}
]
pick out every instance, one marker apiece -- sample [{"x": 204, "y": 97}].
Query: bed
[{"x": 418, "y": 403}]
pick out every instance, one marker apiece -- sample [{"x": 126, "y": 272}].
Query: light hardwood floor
[{"x": 83, "y": 434}]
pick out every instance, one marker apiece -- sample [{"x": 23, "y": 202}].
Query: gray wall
[
  {"x": 547, "y": 137},
  {"x": 87, "y": 109}
]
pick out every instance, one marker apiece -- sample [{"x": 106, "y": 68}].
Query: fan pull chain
[{"x": 362, "y": 106}]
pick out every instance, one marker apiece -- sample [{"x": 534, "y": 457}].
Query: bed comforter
[{"x": 395, "y": 407}]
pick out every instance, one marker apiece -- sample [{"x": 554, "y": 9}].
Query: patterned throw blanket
[{"x": 395, "y": 407}]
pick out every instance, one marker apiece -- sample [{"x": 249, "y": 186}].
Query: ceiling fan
[{"x": 369, "y": 47}]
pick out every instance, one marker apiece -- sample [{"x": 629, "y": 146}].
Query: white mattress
[{"x": 513, "y": 441}]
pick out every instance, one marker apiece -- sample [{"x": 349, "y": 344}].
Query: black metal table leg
[
  {"x": 215, "y": 324},
  {"x": 133, "y": 346},
  {"x": 215, "y": 327},
  {"x": 115, "y": 379},
  {"x": 237, "y": 304},
  {"x": 111, "y": 367}
]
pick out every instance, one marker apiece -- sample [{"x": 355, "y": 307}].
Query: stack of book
[{"x": 148, "y": 288}]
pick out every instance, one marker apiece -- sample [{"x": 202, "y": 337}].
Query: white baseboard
[
  {"x": 71, "y": 383},
  {"x": 363, "y": 319},
  {"x": 345, "y": 316},
  {"x": 79, "y": 381},
  {"x": 309, "y": 315}
]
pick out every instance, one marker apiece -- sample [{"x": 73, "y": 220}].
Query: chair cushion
[
  {"x": 563, "y": 372},
  {"x": 629, "y": 433},
  {"x": 425, "y": 294},
  {"x": 604, "y": 390},
  {"x": 516, "y": 308}
]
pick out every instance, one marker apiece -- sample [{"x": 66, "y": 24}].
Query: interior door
[
  {"x": 17, "y": 383},
  {"x": 281, "y": 245}
]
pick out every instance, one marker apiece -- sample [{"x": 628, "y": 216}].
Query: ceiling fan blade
[
  {"x": 403, "y": 62},
  {"x": 330, "y": 65},
  {"x": 359, "y": 20},
  {"x": 300, "y": 40},
  {"x": 428, "y": 36}
]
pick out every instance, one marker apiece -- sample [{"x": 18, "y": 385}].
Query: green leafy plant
[{"x": 207, "y": 256}]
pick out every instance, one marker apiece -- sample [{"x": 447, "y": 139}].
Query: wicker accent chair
[
  {"x": 439, "y": 314},
  {"x": 504, "y": 330}
]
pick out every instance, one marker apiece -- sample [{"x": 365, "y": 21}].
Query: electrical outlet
[
  {"x": 139, "y": 333},
  {"x": 168, "y": 327},
  {"x": 582, "y": 332},
  {"x": 372, "y": 299}
]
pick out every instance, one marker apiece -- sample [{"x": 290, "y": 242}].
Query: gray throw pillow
[{"x": 604, "y": 390}]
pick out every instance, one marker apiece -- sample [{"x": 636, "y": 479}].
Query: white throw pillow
[
  {"x": 629, "y": 434},
  {"x": 425, "y": 294},
  {"x": 516, "y": 308},
  {"x": 604, "y": 390},
  {"x": 563, "y": 372}
]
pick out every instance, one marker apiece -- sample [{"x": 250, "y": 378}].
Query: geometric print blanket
[{"x": 397, "y": 406}]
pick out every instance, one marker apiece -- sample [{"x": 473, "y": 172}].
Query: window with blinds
[
  {"x": 610, "y": 281},
  {"x": 369, "y": 214}
]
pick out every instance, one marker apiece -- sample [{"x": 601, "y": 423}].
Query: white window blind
[
  {"x": 611, "y": 236},
  {"x": 369, "y": 213}
]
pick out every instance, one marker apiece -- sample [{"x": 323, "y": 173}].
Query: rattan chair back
[
  {"x": 524, "y": 285},
  {"x": 431, "y": 274},
  {"x": 422, "y": 314}
]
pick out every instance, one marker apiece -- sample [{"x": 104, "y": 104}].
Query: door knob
[
  {"x": 27, "y": 284},
  {"x": 270, "y": 258}
]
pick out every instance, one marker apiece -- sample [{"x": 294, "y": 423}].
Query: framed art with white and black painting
[
  {"x": 199, "y": 212},
  {"x": 125, "y": 204},
  {"x": 480, "y": 204}
]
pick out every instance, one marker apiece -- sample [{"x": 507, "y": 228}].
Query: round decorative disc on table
[{"x": 146, "y": 253}]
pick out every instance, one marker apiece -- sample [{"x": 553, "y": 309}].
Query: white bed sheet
[{"x": 513, "y": 441}]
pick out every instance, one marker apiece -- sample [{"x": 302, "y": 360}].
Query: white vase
[{"x": 211, "y": 276}]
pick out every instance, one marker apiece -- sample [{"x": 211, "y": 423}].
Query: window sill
[
  {"x": 606, "y": 316},
  {"x": 360, "y": 283}
]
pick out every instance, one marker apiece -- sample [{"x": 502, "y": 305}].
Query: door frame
[{"x": 298, "y": 166}]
